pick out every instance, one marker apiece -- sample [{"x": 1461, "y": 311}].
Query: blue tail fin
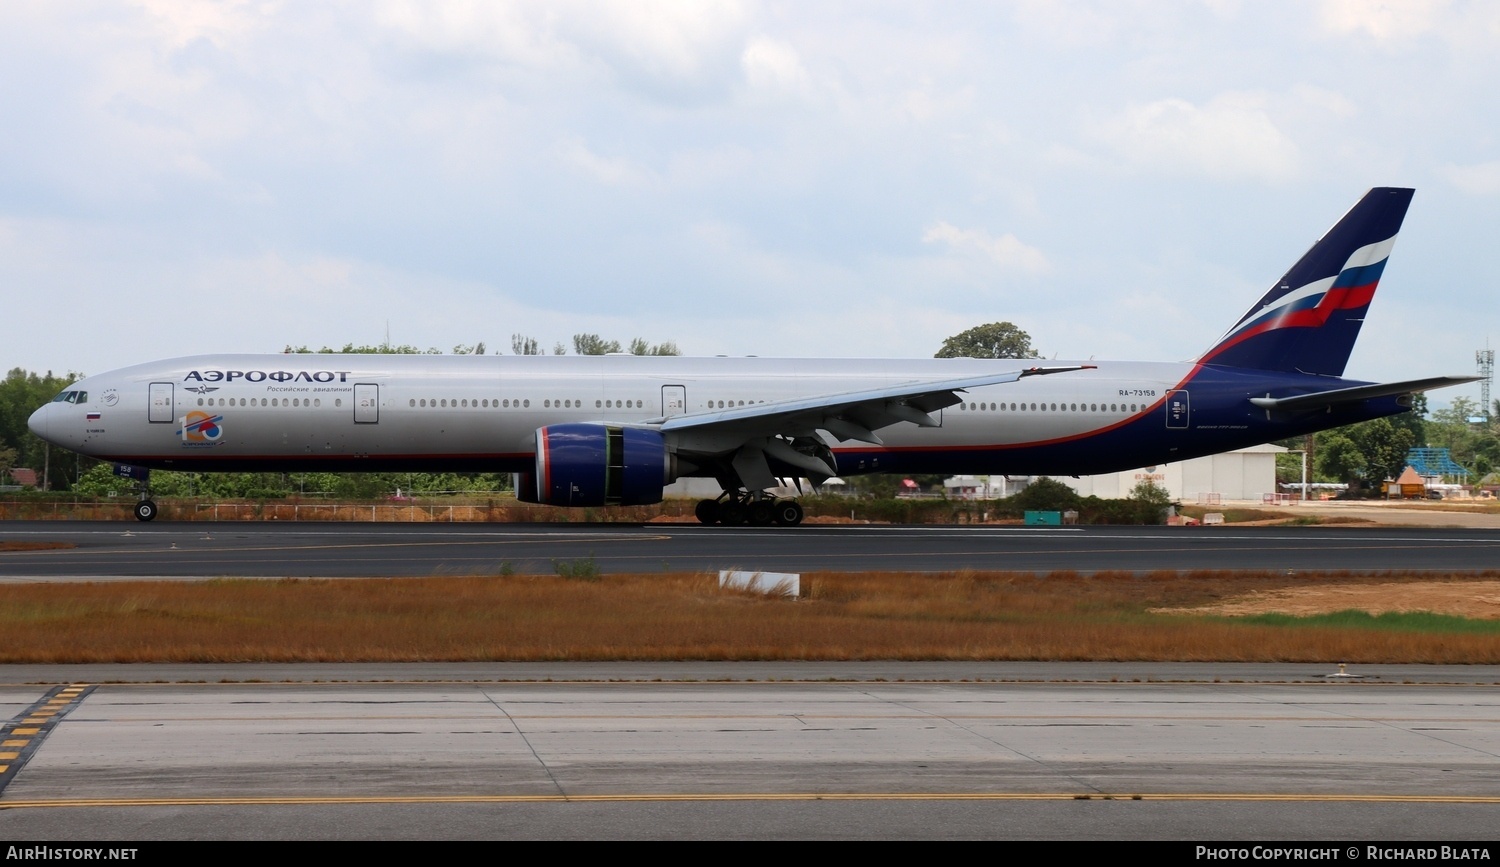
[{"x": 1309, "y": 320}]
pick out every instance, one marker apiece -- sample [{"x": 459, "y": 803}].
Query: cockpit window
[{"x": 66, "y": 397}]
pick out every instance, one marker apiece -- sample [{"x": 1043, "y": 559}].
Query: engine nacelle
[
  {"x": 525, "y": 485},
  {"x": 600, "y": 465}
]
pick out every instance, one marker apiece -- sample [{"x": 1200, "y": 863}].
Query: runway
[
  {"x": 867, "y": 750},
  {"x": 853, "y": 759},
  {"x": 107, "y": 550}
]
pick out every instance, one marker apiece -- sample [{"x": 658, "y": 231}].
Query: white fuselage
[{"x": 354, "y": 412}]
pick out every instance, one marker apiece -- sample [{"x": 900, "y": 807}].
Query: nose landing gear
[
  {"x": 742, "y": 507},
  {"x": 145, "y": 509}
]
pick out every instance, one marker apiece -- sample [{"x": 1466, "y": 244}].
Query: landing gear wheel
[
  {"x": 761, "y": 513},
  {"x": 731, "y": 513},
  {"x": 707, "y": 511},
  {"x": 145, "y": 510},
  {"x": 789, "y": 513}
]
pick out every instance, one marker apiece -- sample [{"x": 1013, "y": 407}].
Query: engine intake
[{"x": 600, "y": 465}]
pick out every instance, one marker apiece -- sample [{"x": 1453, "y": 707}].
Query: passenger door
[
  {"x": 1177, "y": 409},
  {"x": 161, "y": 409},
  {"x": 366, "y": 403}
]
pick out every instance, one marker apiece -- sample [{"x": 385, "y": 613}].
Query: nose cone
[{"x": 38, "y": 421}]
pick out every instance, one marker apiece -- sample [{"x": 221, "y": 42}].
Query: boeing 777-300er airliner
[{"x": 607, "y": 430}]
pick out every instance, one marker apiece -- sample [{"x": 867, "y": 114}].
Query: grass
[
  {"x": 1414, "y": 621},
  {"x": 951, "y": 616},
  {"x": 580, "y": 569}
]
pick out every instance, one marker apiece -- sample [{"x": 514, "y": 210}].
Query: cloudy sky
[{"x": 1120, "y": 179}]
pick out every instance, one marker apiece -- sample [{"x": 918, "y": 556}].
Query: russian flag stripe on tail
[{"x": 1309, "y": 320}]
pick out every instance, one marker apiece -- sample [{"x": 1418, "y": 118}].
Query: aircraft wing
[
  {"x": 1322, "y": 399},
  {"x": 753, "y": 433},
  {"x": 870, "y": 410}
]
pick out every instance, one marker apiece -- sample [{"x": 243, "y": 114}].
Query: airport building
[{"x": 1247, "y": 474}]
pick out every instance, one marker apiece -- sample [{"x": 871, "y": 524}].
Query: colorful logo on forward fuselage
[{"x": 200, "y": 428}]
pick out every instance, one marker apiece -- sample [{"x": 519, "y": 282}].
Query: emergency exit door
[{"x": 673, "y": 400}]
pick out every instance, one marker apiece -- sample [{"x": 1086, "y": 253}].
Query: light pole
[{"x": 1303, "y": 453}]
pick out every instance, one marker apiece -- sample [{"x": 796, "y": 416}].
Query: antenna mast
[{"x": 1485, "y": 359}]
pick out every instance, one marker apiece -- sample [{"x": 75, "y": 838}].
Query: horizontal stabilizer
[{"x": 1321, "y": 399}]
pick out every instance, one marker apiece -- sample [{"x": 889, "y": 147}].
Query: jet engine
[{"x": 601, "y": 465}]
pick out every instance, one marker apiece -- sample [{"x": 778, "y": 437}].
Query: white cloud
[
  {"x": 1232, "y": 136},
  {"x": 1383, "y": 19},
  {"x": 771, "y": 64},
  {"x": 1006, "y": 250},
  {"x": 1482, "y": 179},
  {"x": 614, "y": 171}
]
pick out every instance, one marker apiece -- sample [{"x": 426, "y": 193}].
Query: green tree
[
  {"x": 995, "y": 340},
  {"x": 1338, "y": 458},
  {"x": 520, "y": 344},
  {"x": 1368, "y": 452},
  {"x": 1467, "y": 442},
  {"x": 1150, "y": 502},
  {"x": 1384, "y": 445},
  {"x": 640, "y": 346},
  {"x": 365, "y": 349},
  {"x": 21, "y": 393},
  {"x": 1044, "y": 494},
  {"x": 593, "y": 344}
]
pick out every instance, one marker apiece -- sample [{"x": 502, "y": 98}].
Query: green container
[{"x": 1044, "y": 519}]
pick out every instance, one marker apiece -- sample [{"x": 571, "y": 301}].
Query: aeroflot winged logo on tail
[
  {"x": 200, "y": 428},
  {"x": 1310, "y": 318},
  {"x": 1310, "y": 306}
]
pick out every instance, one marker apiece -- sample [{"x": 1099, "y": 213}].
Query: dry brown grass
[{"x": 958, "y": 616}]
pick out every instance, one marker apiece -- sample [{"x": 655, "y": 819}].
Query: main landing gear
[{"x": 757, "y": 510}]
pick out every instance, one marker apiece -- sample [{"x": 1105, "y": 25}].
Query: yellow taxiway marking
[
  {"x": 15, "y": 743},
  {"x": 10, "y": 756},
  {"x": 25, "y": 731},
  {"x": 775, "y": 796}
]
